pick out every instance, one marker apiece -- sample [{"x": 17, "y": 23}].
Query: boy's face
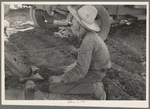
[
  {"x": 75, "y": 27},
  {"x": 73, "y": 31}
]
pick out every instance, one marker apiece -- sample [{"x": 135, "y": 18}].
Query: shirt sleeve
[{"x": 83, "y": 62}]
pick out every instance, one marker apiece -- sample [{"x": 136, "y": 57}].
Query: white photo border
[{"x": 87, "y": 103}]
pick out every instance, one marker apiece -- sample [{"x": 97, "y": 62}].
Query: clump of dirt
[{"x": 39, "y": 47}]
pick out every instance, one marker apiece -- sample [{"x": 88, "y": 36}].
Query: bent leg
[
  {"x": 71, "y": 88},
  {"x": 82, "y": 88}
]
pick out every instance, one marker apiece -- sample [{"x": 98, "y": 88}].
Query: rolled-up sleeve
[{"x": 83, "y": 62}]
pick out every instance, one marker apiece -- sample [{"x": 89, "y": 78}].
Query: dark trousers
[
  {"x": 71, "y": 88},
  {"x": 83, "y": 86}
]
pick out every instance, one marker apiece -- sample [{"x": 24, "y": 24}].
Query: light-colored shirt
[{"x": 93, "y": 55}]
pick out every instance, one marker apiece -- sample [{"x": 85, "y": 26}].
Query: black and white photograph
[{"x": 75, "y": 53}]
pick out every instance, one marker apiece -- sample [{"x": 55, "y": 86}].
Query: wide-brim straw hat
[{"x": 86, "y": 17}]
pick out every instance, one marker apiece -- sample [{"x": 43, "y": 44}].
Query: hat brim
[{"x": 92, "y": 27}]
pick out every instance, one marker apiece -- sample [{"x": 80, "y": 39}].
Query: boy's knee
[{"x": 57, "y": 88}]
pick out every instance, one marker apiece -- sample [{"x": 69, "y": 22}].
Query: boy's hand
[{"x": 55, "y": 79}]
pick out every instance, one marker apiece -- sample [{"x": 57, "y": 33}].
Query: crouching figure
[{"x": 93, "y": 60}]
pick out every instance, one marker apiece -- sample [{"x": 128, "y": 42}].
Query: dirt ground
[{"x": 126, "y": 80}]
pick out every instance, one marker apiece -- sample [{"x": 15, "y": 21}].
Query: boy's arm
[{"x": 83, "y": 62}]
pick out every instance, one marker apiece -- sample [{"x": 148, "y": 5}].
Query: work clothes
[
  {"x": 93, "y": 61},
  {"x": 79, "y": 89},
  {"x": 92, "y": 57}
]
